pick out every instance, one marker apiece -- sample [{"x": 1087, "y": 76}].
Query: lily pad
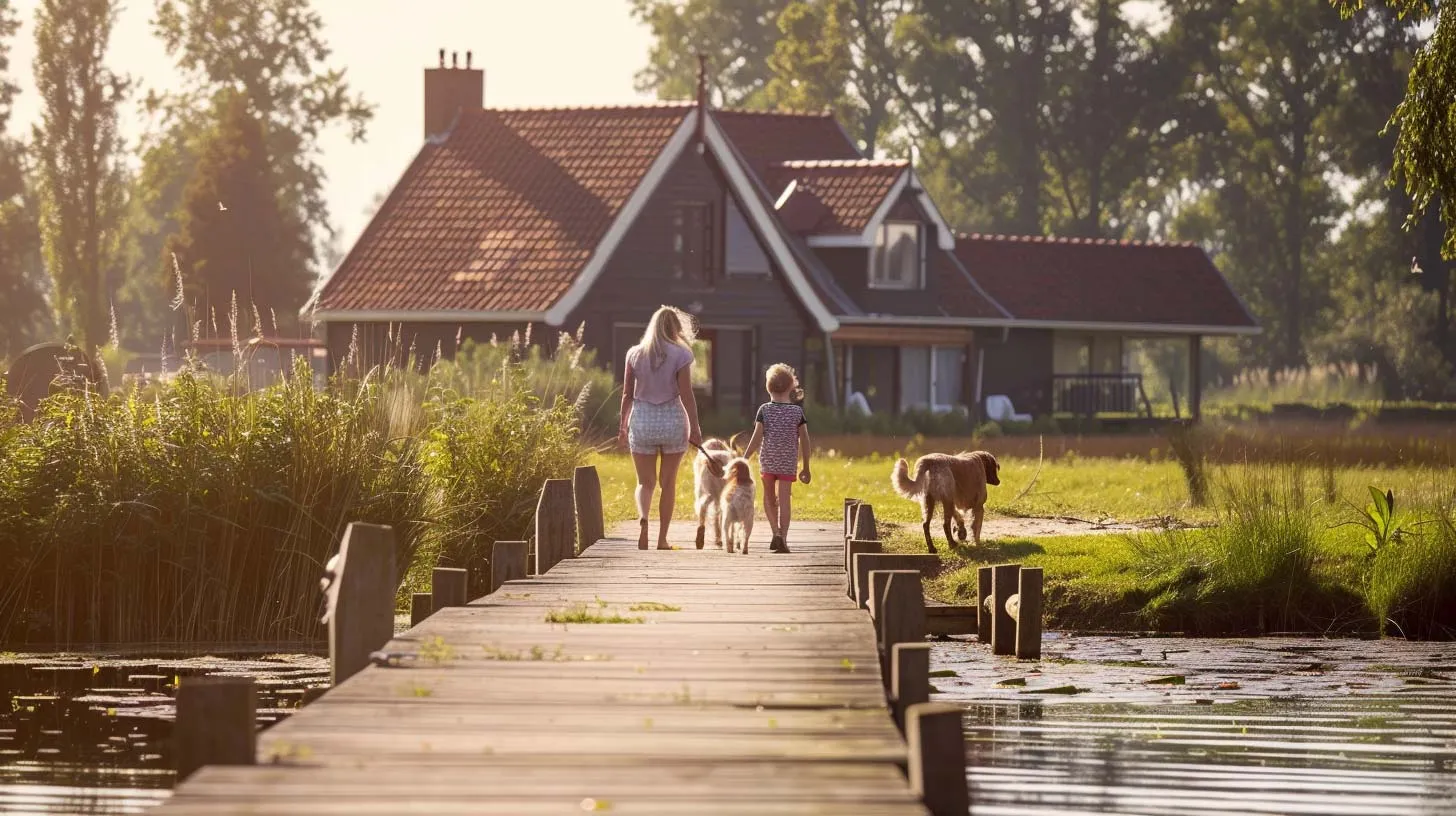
[
  {"x": 1053, "y": 690},
  {"x": 1170, "y": 680},
  {"x": 1014, "y": 681},
  {"x": 944, "y": 673}
]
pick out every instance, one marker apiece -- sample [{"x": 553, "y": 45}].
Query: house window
[
  {"x": 695, "y": 242},
  {"x": 896, "y": 260},
  {"x": 743, "y": 254},
  {"x": 931, "y": 377}
]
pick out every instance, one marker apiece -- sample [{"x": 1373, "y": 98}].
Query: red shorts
[{"x": 770, "y": 478}]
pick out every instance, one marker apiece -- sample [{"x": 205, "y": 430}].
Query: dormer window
[{"x": 896, "y": 260}]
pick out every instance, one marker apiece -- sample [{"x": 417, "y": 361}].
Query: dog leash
[{"x": 713, "y": 464}]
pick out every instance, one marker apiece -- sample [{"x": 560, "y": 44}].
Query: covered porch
[{"x": 896, "y": 369}]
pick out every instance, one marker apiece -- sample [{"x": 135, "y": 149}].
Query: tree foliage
[
  {"x": 235, "y": 244},
  {"x": 22, "y": 298},
  {"x": 77, "y": 150}
]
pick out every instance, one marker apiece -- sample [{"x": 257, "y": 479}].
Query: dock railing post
[
  {"x": 1028, "y": 614},
  {"x": 937, "y": 765},
  {"x": 899, "y": 614},
  {"x": 856, "y": 548},
  {"x": 555, "y": 525},
  {"x": 586, "y": 488},
  {"x": 864, "y": 528},
  {"x": 1004, "y": 584},
  {"x": 448, "y": 587},
  {"x": 421, "y": 605},
  {"x": 909, "y": 678},
  {"x": 508, "y": 562},
  {"x": 216, "y": 723},
  {"x": 359, "y": 585}
]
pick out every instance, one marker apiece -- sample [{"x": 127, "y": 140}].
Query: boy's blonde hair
[{"x": 781, "y": 379}]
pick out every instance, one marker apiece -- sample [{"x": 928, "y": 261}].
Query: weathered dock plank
[{"x": 622, "y": 680}]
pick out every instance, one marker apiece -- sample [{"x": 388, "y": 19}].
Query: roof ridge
[
  {"x": 815, "y": 164},
  {"x": 822, "y": 114},
  {"x": 658, "y": 105},
  {"x": 1073, "y": 240}
]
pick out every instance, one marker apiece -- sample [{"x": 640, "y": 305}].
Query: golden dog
[
  {"x": 955, "y": 482},
  {"x": 735, "y": 515},
  {"x": 708, "y": 488}
]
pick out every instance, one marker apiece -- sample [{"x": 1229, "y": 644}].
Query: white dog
[
  {"x": 708, "y": 488},
  {"x": 735, "y": 513}
]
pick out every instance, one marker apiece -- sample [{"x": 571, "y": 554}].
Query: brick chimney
[{"x": 449, "y": 90}]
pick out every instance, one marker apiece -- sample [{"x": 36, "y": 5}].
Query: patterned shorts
[{"x": 653, "y": 429}]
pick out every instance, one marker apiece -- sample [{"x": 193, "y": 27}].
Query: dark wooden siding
[
  {"x": 376, "y": 345},
  {"x": 1020, "y": 368},
  {"x": 639, "y": 278},
  {"x": 850, "y": 267}
]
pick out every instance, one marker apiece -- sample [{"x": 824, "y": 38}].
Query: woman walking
[{"x": 659, "y": 412}]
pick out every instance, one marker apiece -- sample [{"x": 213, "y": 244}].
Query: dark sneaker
[{"x": 778, "y": 545}]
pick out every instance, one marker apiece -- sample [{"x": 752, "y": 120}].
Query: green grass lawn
[{"x": 1091, "y": 489}]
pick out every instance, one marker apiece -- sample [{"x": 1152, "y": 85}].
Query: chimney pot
[
  {"x": 442, "y": 58},
  {"x": 468, "y": 56},
  {"x": 454, "y": 59}
]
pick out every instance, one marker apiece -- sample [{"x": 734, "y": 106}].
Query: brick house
[{"x": 773, "y": 230}]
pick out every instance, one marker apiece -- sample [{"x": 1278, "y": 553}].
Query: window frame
[
  {"x": 710, "y": 265},
  {"x": 881, "y": 245}
]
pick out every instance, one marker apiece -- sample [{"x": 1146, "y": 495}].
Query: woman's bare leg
[
  {"x": 646, "y": 465},
  {"x": 668, "y": 479}
]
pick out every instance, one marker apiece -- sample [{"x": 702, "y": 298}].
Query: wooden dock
[{"x": 683, "y": 681}]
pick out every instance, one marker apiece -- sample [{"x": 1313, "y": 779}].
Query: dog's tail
[
  {"x": 739, "y": 472},
  {"x": 904, "y": 485}
]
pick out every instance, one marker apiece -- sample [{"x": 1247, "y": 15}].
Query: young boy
[{"x": 780, "y": 434}]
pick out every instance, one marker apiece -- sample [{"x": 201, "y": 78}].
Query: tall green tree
[
  {"x": 22, "y": 300},
  {"x": 274, "y": 53},
  {"x": 77, "y": 150},
  {"x": 236, "y": 245},
  {"x": 736, "y": 36}
]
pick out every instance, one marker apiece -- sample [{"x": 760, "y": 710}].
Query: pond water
[
  {"x": 91, "y": 735},
  {"x": 1155, "y": 726},
  {"x": 1172, "y": 726}
]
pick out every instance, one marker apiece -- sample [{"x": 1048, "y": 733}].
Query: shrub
[{"x": 1411, "y": 580}]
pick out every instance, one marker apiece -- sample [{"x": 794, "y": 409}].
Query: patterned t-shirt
[{"x": 779, "y": 452}]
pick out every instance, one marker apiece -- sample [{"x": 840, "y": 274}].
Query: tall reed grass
[
  {"x": 1315, "y": 385},
  {"x": 203, "y": 512}
]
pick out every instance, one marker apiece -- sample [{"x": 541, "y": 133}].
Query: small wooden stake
[
  {"x": 586, "y": 488},
  {"x": 507, "y": 562},
  {"x": 449, "y": 588},
  {"x": 555, "y": 525},
  {"x": 864, "y": 523},
  {"x": 359, "y": 586},
  {"x": 1028, "y": 620},
  {"x": 849, "y": 512},
  {"x": 855, "y": 548},
  {"x": 216, "y": 723},
  {"x": 900, "y": 613},
  {"x": 1004, "y": 580},
  {"x": 909, "y": 678},
  {"x": 421, "y": 605},
  {"x": 937, "y": 767},
  {"x": 983, "y": 605}
]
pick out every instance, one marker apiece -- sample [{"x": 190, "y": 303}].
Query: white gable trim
[
  {"x": 424, "y": 316},
  {"x": 945, "y": 237},
  {"x": 767, "y": 226},
  {"x": 558, "y": 314}
]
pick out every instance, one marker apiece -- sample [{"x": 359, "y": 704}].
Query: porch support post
[
  {"x": 836, "y": 399},
  {"x": 1195, "y": 377},
  {"x": 970, "y": 373}
]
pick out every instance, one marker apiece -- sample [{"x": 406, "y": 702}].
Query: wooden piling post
[
  {"x": 586, "y": 489},
  {"x": 216, "y": 723},
  {"x": 359, "y": 586},
  {"x": 909, "y": 678},
  {"x": 849, "y": 516},
  {"x": 421, "y": 605},
  {"x": 899, "y": 614},
  {"x": 984, "y": 605},
  {"x": 1028, "y": 618},
  {"x": 507, "y": 562},
  {"x": 448, "y": 587},
  {"x": 1004, "y": 580},
  {"x": 924, "y": 562},
  {"x": 864, "y": 528},
  {"x": 555, "y": 525},
  {"x": 937, "y": 765},
  {"x": 855, "y": 548}
]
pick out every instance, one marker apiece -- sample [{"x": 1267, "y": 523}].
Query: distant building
[{"x": 777, "y": 233}]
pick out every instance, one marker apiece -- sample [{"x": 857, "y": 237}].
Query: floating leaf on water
[
  {"x": 1227, "y": 685},
  {"x": 1053, "y": 690},
  {"x": 1014, "y": 681},
  {"x": 944, "y": 673},
  {"x": 1170, "y": 680}
]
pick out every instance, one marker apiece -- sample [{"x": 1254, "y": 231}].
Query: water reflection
[{"x": 92, "y": 735}]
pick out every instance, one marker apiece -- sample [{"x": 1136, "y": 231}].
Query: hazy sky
[{"x": 535, "y": 52}]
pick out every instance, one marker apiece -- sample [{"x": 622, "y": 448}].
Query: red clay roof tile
[
  {"x": 504, "y": 213},
  {"x": 848, "y": 192},
  {"x": 1087, "y": 281}
]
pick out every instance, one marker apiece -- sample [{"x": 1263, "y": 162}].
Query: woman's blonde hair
[{"x": 669, "y": 326}]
